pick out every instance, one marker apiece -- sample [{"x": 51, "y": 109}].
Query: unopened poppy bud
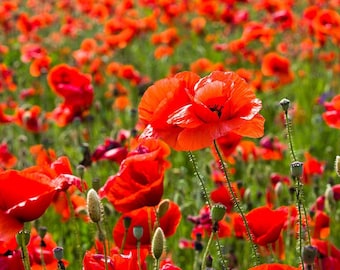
[
  {"x": 26, "y": 235},
  {"x": 58, "y": 253},
  {"x": 337, "y": 165},
  {"x": 278, "y": 189},
  {"x": 247, "y": 195},
  {"x": 329, "y": 194},
  {"x": 126, "y": 222},
  {"x": 138, "y": 232},
  {"x": 296, "y": 169},
  {"x": 217, "y": 212},
  {"x": 163, "y": 207},
  {"x": 158, "y": 243},
  {"x": 309, "y": 254},
  {"x": 285, "y": 104},
  {"x": 81, "y": 170},
  {"x": 94, "y": 206},
  {"x": 96, "y": 184}
]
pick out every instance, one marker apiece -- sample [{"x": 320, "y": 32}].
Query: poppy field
[{"x": 167, "y": 134}]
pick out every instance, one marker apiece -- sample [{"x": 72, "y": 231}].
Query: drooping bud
[
  {"x": 138, "y": 232},
  {"x": 158, "y": 243},
  {"x": 296, "y": 169},
  {"x": 163, "y": 207},
  {"x": 94, "y": 206},
  {"x": 285, "y": 104},
  {"x": 309, "y": 254}
]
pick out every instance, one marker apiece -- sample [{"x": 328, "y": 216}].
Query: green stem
[
  {"x": 24, "y": 252},
  {"x": 300, "y": 237},
  {"x": 75, "y": 228},
  {"x": 157, "y": 264},
  {"x": 205, "y": 255},
  {"x": 138, "y": 256},
  {"x": 103, "y": 239},
  {"x": 201, "y": 180},
  {"x": 206, "y": 198},
  {"x": 124, "y": 240},
  {"x": 42, "y": 258},
  {"x": 237, "y": 204},
  {"x": 290, "y": 140}
]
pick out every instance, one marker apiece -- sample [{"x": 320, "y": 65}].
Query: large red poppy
[
  {"x": 25, "y": 195},
  {"x": 145, "y": 217},
  {"x": 189, "y": 113},
  {"x": 139, "y": 181}
]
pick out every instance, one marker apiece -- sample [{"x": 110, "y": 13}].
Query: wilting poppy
[
  {"x": 266, "y": 224},
  {"x": 139, "y": 181},
  {"x": 145, "y": 217},
  {"x": 25, "y": 195},
  {"x": 189, "y": 113},
  {"x": 273, "y": 266},
  {"x": 332, "y": 114}
]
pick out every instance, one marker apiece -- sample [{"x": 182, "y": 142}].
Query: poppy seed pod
[
  {"x": 296, "y": 169},
  {"x": 94, "y": 206},
  {"x": 58, "y": 253},
  {"x": 138, "y": 232},
  {"x": 158, "y": 243},
  {"x": 217, "y": 212},
  {"x": 285, "y": 104}
]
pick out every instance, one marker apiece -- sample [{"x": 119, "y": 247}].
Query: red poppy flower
[
  {"x": 25, "y": 196},
  {"x": 312, "y": 167},
  {"x": 189, "y": 113},
  {"x": 266, "y": 224},
  {"x": 273, "y": 266},
  {"x": 7, "y": 159},
  {"x": 139, "y": 181},
  {"x": 144, "y": 217},
  {"x": 279, "y": 66},
  {"x": 73, "y": 86},
  {"x": 332, "y": 114},
  {"x": 31, "y": 119}
]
